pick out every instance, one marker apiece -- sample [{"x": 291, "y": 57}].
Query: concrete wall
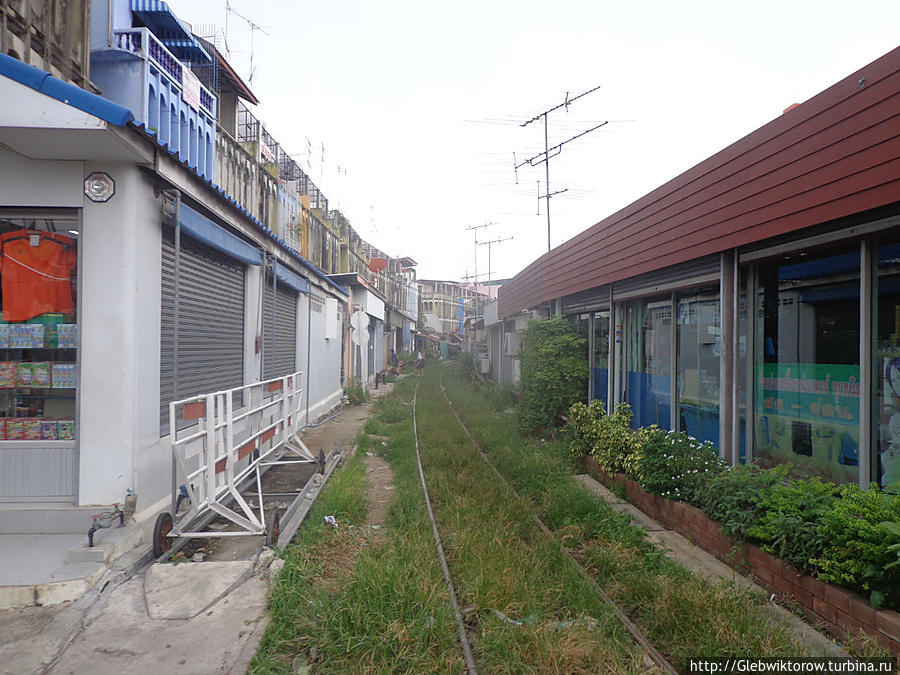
[
  {"x": 324, "y": 391},
  {"x": 120, "y": 327}
]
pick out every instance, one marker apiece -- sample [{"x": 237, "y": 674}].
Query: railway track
[{"x": 659, "y": 663}]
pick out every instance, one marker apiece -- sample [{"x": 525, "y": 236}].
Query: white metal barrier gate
[{"x": 218, "y": 449}]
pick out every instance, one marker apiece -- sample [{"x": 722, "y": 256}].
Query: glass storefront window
[
  {"x": 600, "y": 345},
  {"x": 699, "y": 341},
  {"x": 38, "y": 330},
  {"x": 648, "y": 353},
  {"x": 806, "y": 368},
  {"x": 886, "y": 362}
]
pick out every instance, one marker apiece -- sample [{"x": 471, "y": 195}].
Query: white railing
[{"x": 222, "y": 447}]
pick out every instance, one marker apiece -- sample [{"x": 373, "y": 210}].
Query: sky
[{"x": 413, "y": 108}]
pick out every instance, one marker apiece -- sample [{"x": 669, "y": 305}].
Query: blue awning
[
  {"x": 161, "y": 20},
  {"x": 201, "y": 228},
  {"x": 76, "y": 97},
  {"x": 292, "y": 279}
]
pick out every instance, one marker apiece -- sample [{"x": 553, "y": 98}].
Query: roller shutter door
[
  {"x": 279, "y": 348},
  {"x": 694, "y": 273},
  {"x": 211, "y": 323}
]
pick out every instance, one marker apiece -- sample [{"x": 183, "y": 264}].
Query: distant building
[{"x": 448, "y": 304}]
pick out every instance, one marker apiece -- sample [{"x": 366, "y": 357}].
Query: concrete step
[
  {"x": 46, "y": 569},
  {"x": 99, "y": 553},
  {"x": 47, "y": 519}
]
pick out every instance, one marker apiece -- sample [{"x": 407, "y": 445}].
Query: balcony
[{"x": 139, "y": 72}]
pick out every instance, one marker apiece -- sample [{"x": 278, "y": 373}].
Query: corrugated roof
[{"x": 78, "y": 98}]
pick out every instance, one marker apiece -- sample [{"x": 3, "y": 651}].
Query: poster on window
[
  {"x": 889, "y": 421},
  {"x": 808, "y": 414}
]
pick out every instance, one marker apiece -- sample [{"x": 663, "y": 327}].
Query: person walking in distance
[{"x": 420, "y": 362}]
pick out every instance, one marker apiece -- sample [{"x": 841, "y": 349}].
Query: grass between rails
[
  {"x": 350, "y": 602},
  {"x": 339, "y": 606},
  {"x": 530, "y": 609},
  {"x": 681, "y": 614}
]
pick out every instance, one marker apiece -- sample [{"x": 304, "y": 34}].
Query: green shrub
[
  {"x": 734, "y": 497},
  {"x": 554, "y": 371},
  {"x": 467, "y": 367},
  {"x": 355, "y": 392},
  {"x": 857, "y": 553},
  {"x": 609, "y": 438},
  {"x": 894, "y": 529},
  {"x": 790, "y": 526},
  {"x": 673, "y": 464}
]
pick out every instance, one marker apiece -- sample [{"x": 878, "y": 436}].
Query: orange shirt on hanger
[{"x": 36, "y": 279}]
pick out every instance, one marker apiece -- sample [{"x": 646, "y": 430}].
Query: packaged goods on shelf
[
  {"x": 66, "y": 429},
  {"x": 4, "y": 335},
  {"x": 49, "y": 429},
  {"x": 67, "y": 335},
  {"x": 20, "y": 336},
  {"x": 31, "y": 429},
  {"x": 7, "y": 374},
  {"x": 62, "y": 375},
  {"x": 14, "y": 429},
  {"x": 40, "y": 374},
  {"x": 23, "y": 374},
  {"x": 2, "y": 428},
  {"x": 50, "y": 320}
]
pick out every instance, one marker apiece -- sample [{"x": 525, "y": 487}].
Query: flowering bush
[
  {"x": 673, "y": 464},
  {"x": 609, "y": 438}
]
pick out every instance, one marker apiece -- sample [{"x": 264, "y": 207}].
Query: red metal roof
[{"x": 833, "y": 156}]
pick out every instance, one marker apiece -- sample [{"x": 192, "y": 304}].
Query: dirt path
[{"x": 380, "y": 478}]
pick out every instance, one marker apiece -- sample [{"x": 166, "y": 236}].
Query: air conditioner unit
[{"x": 485, "y": 366}]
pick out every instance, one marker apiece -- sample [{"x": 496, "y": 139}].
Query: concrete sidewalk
[{"x": 706, "y": 565}]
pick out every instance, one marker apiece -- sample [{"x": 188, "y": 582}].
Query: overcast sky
[{"x": 418, "y": 103}]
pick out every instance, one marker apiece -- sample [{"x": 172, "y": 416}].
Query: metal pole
[
  {"x": 309, "y": 348},
  {"x": 175, "y": 302},
  {"x": 274, "y": 311},
  {"x": 867, "y": 333},
  {"x": 547, "y": 177}
]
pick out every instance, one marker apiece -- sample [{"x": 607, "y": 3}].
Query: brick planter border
[{"x": 843, "y": 613}]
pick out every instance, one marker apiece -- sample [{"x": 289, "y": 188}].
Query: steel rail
[
  {"x": 630, "y": 626},
  {"x": 463, "y": 638}
]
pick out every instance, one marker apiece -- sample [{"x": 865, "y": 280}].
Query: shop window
[
  {"x": 600, "y": 345},
  {"x": 807, "y": 391},
  {"x": 886, "y": 363},
  {"x": 648, "y": 358},
  {"x": 699, "y": 342},
  {"x": 38, "y": 330}
]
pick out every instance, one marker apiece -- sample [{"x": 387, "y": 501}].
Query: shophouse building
[
  {"x": 754, "y": 300},
  {"x": 157, "y": 244}
]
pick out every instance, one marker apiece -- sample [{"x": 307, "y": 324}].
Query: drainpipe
[
  {"x": 176, "y": 302},
  {"x": 308, "y": 348},
  {"x": 109, "y": 23}
]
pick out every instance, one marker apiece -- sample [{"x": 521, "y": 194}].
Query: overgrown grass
[
  {"x": 350, "y": 600},
  {"x": 681, "y": 614}
]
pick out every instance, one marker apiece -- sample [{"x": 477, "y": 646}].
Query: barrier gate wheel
[
  {"x": 161, "y": 541},
  {"x": 273, "y": 529}
]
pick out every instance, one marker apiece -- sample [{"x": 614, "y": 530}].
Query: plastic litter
[{"x": 331, "y": 521}]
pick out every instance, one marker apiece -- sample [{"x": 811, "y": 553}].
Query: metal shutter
[
  {"x": 211, "y": 323},
  {"x": 694, "y": 273},
  {"x": 279, "y": 349}
]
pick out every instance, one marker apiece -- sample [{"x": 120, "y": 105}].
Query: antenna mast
[{"x": 545, "y": 157}]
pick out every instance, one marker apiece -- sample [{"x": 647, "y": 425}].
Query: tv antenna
[
  {"x": 476, "y": 228},
  {"x": 488, "y": 244},
  {"x": 545, "y": 156},
  {"x": 253, "y": 28}
]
